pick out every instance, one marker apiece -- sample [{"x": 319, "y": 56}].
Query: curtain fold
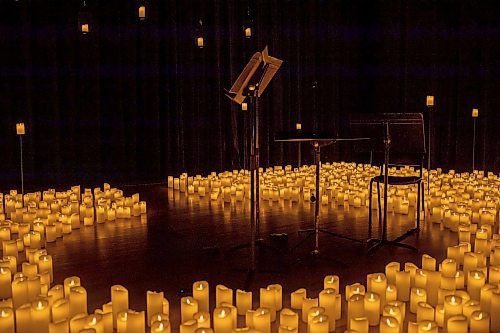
[{"x": 135, "y": 101}]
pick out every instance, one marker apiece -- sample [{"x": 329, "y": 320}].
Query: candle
[
  {"x": 355, "y": 307},
  {"x": 359, "y": 325},
  {"x": 268, "y": 301},
  {"x": 297, "y": 297},
  {"x": 45, "y": 265},
  {"x": 95, "y": 322},
  {"x": 288, "y": 318},
  {"x": 428, "y": 263},
  {"x": 331, "y": 281},
  {"x": 189, "y": 326},
  {"x": 5, "y": 283},
  {"x": 77, "y": 301},
  {"x": 391, "y": 293},
  {"x": 6, "y": 320},
  {"x": 262, "y": 320},
  {"x": 372, "y": 308},
  {"x": 495, "y": 308},
  {"x": 417, "y": 295},
  {"x": 428, "y": 327},
  {"x": 425, "y": 311},
  {"x": 243, "y": 301},
  {"x": 319, "y": 324},
  {"x": 56, "y": 292},
  {"x": 20, "y": 292},
  {"x": 69, "y": 283},
  {"x": 430, "y": 100},
  {"x": 201, "y": 294},
  {"x": 403, "y": 285},
  {"x": 278, "y": 293},
  {"x": 119, "y": 301},
  {"x": 223, "y": 322},
  {"x": 203, "y": 319},
  {"x": 121, "y": 322},
  {"x": 390, "y": 272},
  {"x": 189, "y": 306},
  {"x": 480, "y": 322},
  {"x": 135, "y": 321},
  {"x": 59, "y": 327},
  {"x": 389, "y": 325},
  {"x": 457, "y": 324},
  {"x": 40, "y": 316},
  {"x": 223, "y": 294},
  {"x": 284, "y": 329},
  {"x": 154, "y": 304},
  {"x": 476, "y": 280},
  {"x": 354, "y": 289},
  {"x": 142, "y": 12},
  {"x": 307, "y": 304},
  {"x": 164, "y": 327},
  {"x": 328, "y": 301},
  {"x": 60, "y": 310},
  {"x": 485, "y": 296},
  {"x": 23, "y": 318},
  {"x": 412, "y": 327}
]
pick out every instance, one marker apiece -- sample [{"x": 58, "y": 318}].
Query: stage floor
[{"x": 186, "y": 239}]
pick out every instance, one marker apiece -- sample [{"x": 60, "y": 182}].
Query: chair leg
[
  {"x": 370, "y": 196},
  {"x": 418, "y": 205},
  {"x": 379, "y": 204},
  {"x": 423, "y": 200}
]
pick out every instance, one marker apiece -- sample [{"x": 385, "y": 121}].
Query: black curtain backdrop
[{"x": 135, "y": 101}]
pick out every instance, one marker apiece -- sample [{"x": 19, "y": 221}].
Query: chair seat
[{"x": 398, "y": 180}]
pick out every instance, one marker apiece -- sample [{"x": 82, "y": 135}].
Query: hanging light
[
  {"x": 248, "y": 25},
  {"x": 200, "y": 42},
  {"x": 84, "y": 20},
  {"x": 244, "y": 106},
  {"x": 141, "y": 10}
]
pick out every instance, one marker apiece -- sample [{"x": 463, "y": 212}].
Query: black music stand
[
  {"x": 391, "y": 132},
  {"x": 251, "y": 83},
  {"x": 317, "y": 140}
]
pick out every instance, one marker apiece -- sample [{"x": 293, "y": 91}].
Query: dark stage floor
[{"x": 186, "y": 239}]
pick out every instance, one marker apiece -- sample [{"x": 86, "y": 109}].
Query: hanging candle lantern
[
  {"x": 141, "y": 10},
  {"x": 84, "y": 20},
  {"x": 200, "y": 41}
]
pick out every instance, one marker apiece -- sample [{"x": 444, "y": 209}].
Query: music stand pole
[
  {"x": 474, "y": 146},
  {"x": 429, "y": 109},
  {"x": 253, "y": 264},
  {"x": 317, "y": 158}
]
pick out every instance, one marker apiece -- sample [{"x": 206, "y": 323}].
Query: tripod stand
[{"x": 251, "y": 83}]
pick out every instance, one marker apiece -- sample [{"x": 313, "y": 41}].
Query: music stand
[
  {"x": 252, "y": 83},
  {"x": 317, "y": 140},
  {"x": 408, "y": 128}
]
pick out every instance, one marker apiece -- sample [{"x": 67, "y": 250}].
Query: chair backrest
[{"x": 406, "y": 132}]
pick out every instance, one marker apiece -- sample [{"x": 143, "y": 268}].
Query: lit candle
[
  {"x": 425, "y": 311},
  {"x": 457, "y": 324},
  {"x": 40, "y": 316},
  {"x": 307, "y": 304},
  {"x": 223, "y": 322},
  {"x": 391, "y": 293},
  {"x": 61, "y": 326},
  {"x": 430, "y": 100},
  {"x": 319, "y": 324},
  {"x": 189, "y": 326},
  {"x": 389, "y": 325},
  {"x": 359, "y": 325},
  {"x": 77, "y": 301},
  {"x": 223, "y": 294},
  {"x": 278, "y": 295},
  {"x": 189, "y": 306},
  {"x": 95, "y": 322},
  {"x": 354, "y": 289},
  {"x": 163, "y": 327},
  {"x": 69, "y": 283},
  {"x": 6, "y": 320},
  {"x": 119, "y": 301},
  {"x": 372, "y": 308},
  {"x": 297, "y": 297},
  {"x": 288, "y": 318},
  {"x": 45, "y": 265},
  {"x": 403, "y": 285},
  {"x": 135, "y": 321},
  {"x": 20, "y": 293},
  {"x": 475, "y": 282},
  {"x": 327, "y": 300},
  {"x": 485, "y": 296},
  {"x": 203, "y": 319},
  {"x": 268, "y": 301},
  {"x": 480, "y": 322},
  {"x": 417, "y": 295},
  {"x": 154, "y": 302},
  {"x": 262, "y": 320},
  {"x": 355, "y": 307},
  {"x": 331, "y": 281},
  {"x": 23, "y": 318},
  {"x": 121, "y": 322},
  {"x": 390, "y": 272},
  {"x": 428, "y": 263},
  {"x": 201, "y": 294},
  {"x": 495, "y": 308},
  {"x": 60, "y": 310},
  {"x": 5, "y": 283},
  {"x": 243, "y": 301},
  {"x": 427, "y": 327}
]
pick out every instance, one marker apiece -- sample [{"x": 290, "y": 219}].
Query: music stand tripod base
[{"x": 374, "y": 244}]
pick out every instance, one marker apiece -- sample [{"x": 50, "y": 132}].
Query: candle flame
[
  {"x": 94, "y": 321},
  {"x": 371, "y": 296},
  {"x": 389, "y": 288},
  {"x": 453, "y": 300},
  {"x": 356, "y": 290},
  {"x": 39, "y": 305},
  {"x": 480, "y": 316},
  {"x": 379, "y": 278},
  {"x": 388, "y": 321},
  {"x": 429, "y": 326},
  {"x": 320, "y": 319},
  {"x": 161, "y": 326},
  {"x": 457, "y": 274},
  {"x": 201, "y": 317},
  {"x": 200, "y": 286},
  {"x": 159, "y": 318},
  {"x": 4, "y": 314},
  {"x": 262, "y": 312},
  {"x": 476, "y": 276},
  {"x": 316, "y": 313},
  {"x": 392, "y": 312},
  {"x": 188, "y": 301},
  {"x": 223, "y": 313},
  {"x": 419, "y": 293},
  {"x": 1, "y": 270},
  {"x": 72, "y": 283}
]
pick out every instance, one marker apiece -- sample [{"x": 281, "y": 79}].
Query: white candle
[
  {"x": 223, "y": 322},
  {"x": 40, "y": 316},
  {"x": 201, "y": 294},
  {"x": 223, "y": 294},
  {"x": 243, "y": 301},
  {"x": 154, "y": 304},
  {"x": 480, "y": 322},
  {"x": 6, "y": 320},
  {"x": 189, "y": 306},
  {"x": 119, "y": 301}
]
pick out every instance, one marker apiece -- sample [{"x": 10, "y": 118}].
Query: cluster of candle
[
  {"x": 340, "y": 184},
  {"x": 28, "y": 301}
]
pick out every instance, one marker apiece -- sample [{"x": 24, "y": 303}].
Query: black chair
[{"x": 400, "y": 137}]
